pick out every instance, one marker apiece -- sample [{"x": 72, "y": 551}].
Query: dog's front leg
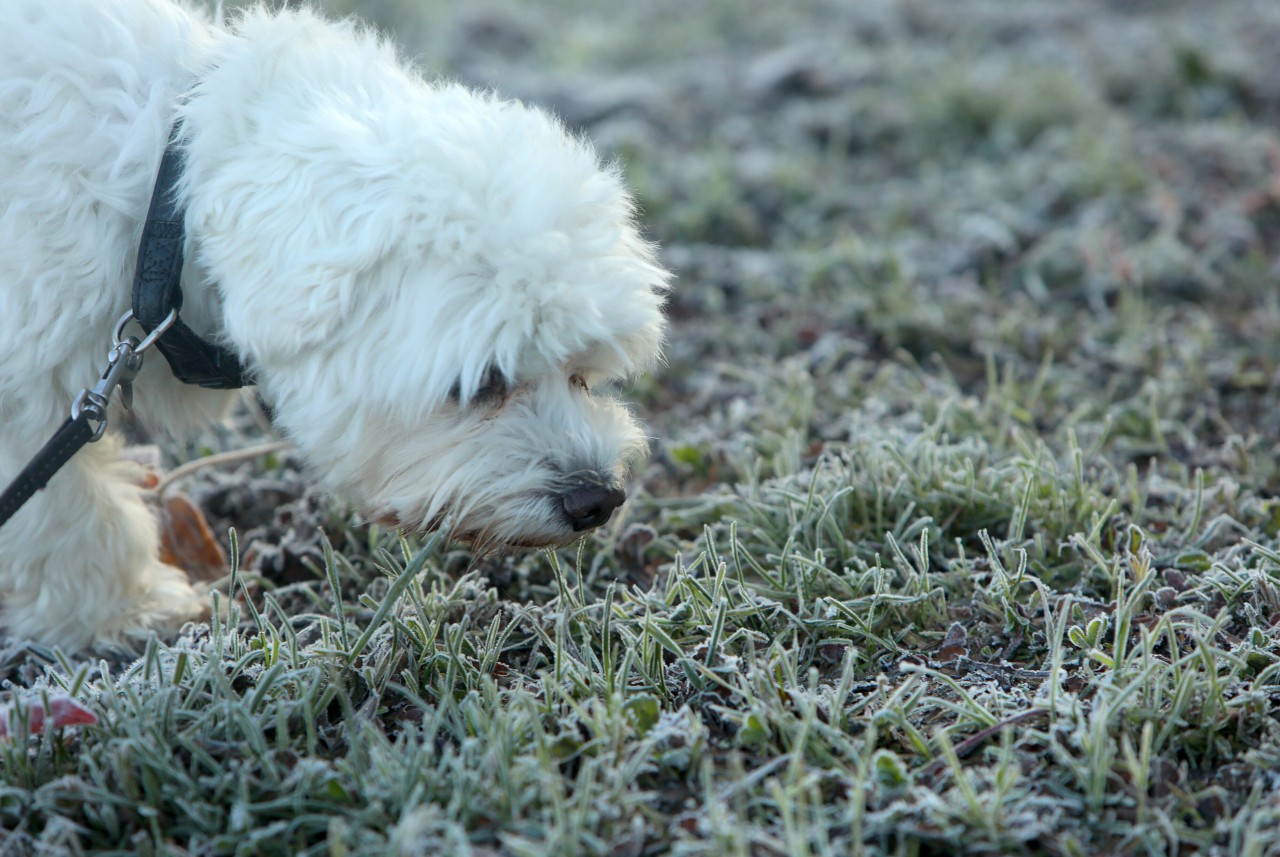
[{"x": 79, "y": 562}]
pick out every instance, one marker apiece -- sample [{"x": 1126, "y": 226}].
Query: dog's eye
[
  {"x": 578, "y": 381},
  {"x": 493, "y": 388}
]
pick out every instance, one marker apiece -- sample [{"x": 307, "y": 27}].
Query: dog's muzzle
[{"x": 589, "y": 500}]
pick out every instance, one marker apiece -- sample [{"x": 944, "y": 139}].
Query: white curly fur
[{"x": 373, "y": 245}]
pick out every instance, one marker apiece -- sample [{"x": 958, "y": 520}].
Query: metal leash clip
[{"x": 123, "y": 364}]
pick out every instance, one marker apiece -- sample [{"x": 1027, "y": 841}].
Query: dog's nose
[{"x": 589, "y": 505}]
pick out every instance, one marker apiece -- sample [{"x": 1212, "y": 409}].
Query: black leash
[
  {"x": 157, "y": 298},
  {"x": 66, "y": 441},
  {"x": 89, "y": 407}
]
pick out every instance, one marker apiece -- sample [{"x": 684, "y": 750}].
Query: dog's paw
[
  {"x": 167, "y": 600},
  {"x": 108, "y": 615}
]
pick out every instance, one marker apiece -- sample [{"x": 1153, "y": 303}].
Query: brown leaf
[{"x": 186, "y": 541}]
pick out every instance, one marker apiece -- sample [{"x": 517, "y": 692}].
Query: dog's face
[
  {"x": 478, "y": 410},
  {"x": 435, "y": 304},
  {"x": 530, "y": 461}
]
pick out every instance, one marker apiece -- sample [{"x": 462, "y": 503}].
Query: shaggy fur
[{"x": 426, "y": 282}]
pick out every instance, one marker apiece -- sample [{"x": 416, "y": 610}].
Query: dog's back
[{"x": 86, "y": 94}]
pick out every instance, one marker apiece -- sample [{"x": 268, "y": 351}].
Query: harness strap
[{"x": 157, "y": 288}]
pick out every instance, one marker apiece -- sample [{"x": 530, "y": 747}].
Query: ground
[{"x": 960, "y": 532}]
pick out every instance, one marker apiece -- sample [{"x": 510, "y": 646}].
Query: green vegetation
[{"x": 960, "y": 534}]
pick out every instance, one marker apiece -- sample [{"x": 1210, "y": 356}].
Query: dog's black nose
[{"x": 589, "y": 505}]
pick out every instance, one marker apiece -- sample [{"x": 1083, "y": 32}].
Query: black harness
[
  {"x": 157, "y": 290},
  {"x": 157, "y": 300}
]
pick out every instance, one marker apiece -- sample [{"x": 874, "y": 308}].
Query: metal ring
[
  {"x": 84, "y": 404},
  {"x": 151, "y": 337}
]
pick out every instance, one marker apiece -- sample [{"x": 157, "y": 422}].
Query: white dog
[{"x": 426, "y": 283}]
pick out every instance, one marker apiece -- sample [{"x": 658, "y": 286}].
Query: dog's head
[{"x": 435, "y": 287}]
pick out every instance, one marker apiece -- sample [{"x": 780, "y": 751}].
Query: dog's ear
[{"x": 288, "y": 264}]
